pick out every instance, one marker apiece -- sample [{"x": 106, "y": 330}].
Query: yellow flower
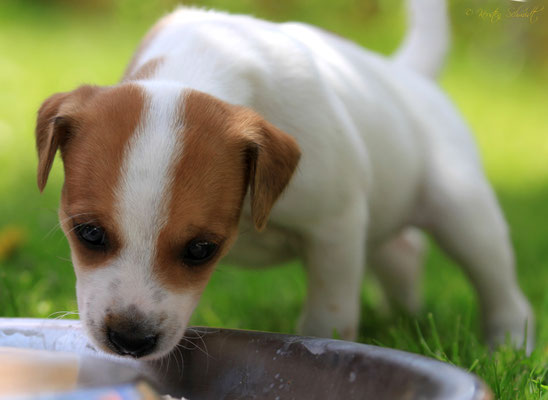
[{"x": 11, "y": 237}]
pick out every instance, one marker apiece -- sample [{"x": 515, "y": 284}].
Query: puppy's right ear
[{"x": 54, "y": 124}]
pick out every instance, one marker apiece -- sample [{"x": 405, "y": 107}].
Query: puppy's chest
[{"x": 274, "y": 245}]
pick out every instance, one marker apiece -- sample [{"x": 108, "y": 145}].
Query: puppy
[{"x": 215, "y": 117}]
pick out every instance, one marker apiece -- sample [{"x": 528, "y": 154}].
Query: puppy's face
[{"x": 155, "y": 177}]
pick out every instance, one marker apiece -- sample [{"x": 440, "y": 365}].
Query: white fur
[
  {"x": 383, "y": 150},
  {"x": 427, "y": 40},
  {"x": 146, "y": 176}
]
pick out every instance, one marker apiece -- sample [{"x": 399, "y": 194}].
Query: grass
[{"x": 46, "y": 51}]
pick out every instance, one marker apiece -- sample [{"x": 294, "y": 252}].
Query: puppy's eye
[
  {"x": 91, "y": 235},
  {"x": 198, "y": 252}
]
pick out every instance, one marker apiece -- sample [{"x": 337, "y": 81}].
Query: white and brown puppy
[{"x": 215, "y": 117}]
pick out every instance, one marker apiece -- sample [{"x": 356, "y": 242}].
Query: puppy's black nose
[{"x": 134, "y": 344}]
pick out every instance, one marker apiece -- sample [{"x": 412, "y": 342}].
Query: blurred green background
[{"x": 496, "y": 73}]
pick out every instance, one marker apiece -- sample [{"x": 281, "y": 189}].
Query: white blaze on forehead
[{"x": 143, "y": 193}]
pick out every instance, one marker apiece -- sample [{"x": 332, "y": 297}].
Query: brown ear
[
  {"x": 53, "y": 126},
  {"x": 273, "y": 157}
]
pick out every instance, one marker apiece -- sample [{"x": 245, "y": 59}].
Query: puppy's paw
[
  {"x": 327, "y": 328},
  {"x": 518, "y": 324}
]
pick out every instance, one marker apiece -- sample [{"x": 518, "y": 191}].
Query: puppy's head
[{"x": 155, "y": 177}]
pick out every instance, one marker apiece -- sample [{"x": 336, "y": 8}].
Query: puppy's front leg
[{"x": 334, "y": 260}]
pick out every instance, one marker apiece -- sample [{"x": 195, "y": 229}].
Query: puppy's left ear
[
  {"x": 53, "y": 126},
  {"x": 273, "y": 156}
]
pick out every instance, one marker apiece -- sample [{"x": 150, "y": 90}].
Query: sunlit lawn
[{"x": 43, "y": 53}]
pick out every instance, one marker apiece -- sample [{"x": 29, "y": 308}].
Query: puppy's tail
[{"x": 427, "y": 41}]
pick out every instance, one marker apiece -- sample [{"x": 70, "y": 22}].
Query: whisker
[
  {"x": 187, "y": 348},
  {"x": 205, "y": 332},
  {"x": 172, "y": 353},
  {"x": 58, "y": 225},
  {"x": 90, "y": 221},
  {"x": 63, "y": 314},
  {"x": 86, "y": 222},
  {"x": 56, "y": 312},
  {"x": 76, "y": 226},
  {"x": 203, "y": 350},
  {"x": 180, "y": 353},
  {"x": 167, "y": 369},
  {"x": 162, "y": 364}
]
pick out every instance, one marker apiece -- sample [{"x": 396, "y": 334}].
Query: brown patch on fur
[
  {"x": 146, "y": 70},
  {"x": 207, "y": 193},
  {"x": 91, "y": 126},
  {"x": 273, "y": 161},
  {"x": 147, "y": 40},
  {"x": 225, "y": 149},
  {"x": 52, "y": 127}
]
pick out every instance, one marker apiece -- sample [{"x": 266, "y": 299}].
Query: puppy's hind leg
[
  {"x": 464, "y": 217},
  {"x": 398, "y": 265}
]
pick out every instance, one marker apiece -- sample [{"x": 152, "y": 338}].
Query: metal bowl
[{"x": 236, "y": 364}]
